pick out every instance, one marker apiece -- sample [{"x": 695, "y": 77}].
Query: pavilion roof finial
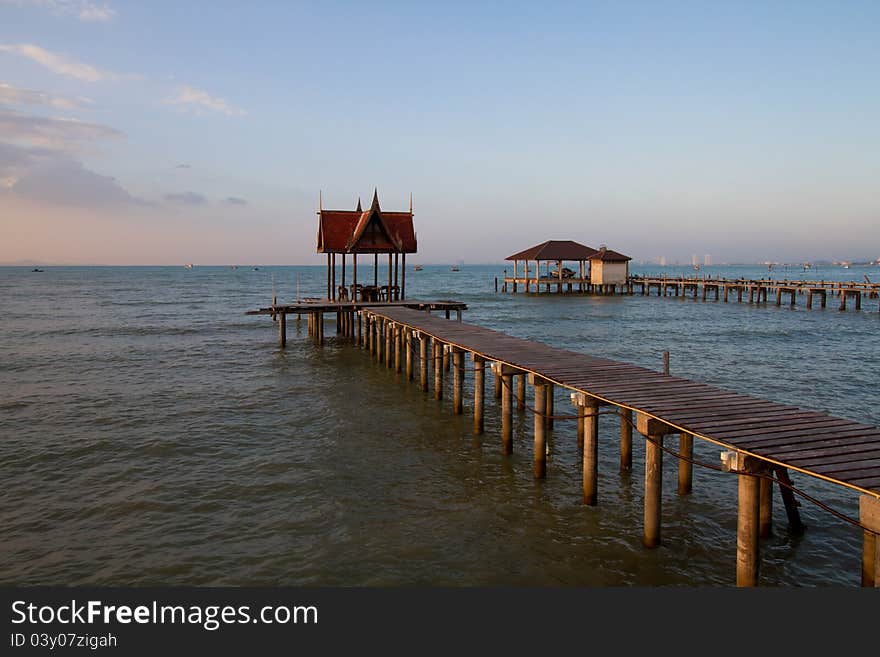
[
  {"x": 410, "y": 202},
  {"x": 375, "y": 204},
  {"x": 320, "y": 201},
  {"x": 359, "y": 205}
]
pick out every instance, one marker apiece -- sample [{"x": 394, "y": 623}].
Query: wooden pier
[
  {"x": 713, "y": 289},
  {"x": 761, "y": 441}
]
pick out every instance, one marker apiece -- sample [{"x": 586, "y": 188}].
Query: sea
[{"x": 152, "y": 433}]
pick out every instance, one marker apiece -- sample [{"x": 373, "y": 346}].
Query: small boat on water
[
  {"x": 454, "y": 268},
  {"x": 188, "y": 266},
  {"x": 37, "y": 269},
  {"x": 417, "y": 268}
]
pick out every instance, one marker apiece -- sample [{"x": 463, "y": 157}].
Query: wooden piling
[
  {"x": 320, "y": 318},
  {"x": 398, "y": 362},
  {"x": 521, "y": 393},
  {"x": 654, "y": 430},
  {"x": 438, "y": 370},
  {"x": 423, "y": 363},
  {"x": 685, "y": 466},
  {"x": 506, "y": 376},
  {"x": 282, "y": 330},
  {"x": 497, "y": 390},
  {"x": 747, "y": 524},
  {"x": 766, "y": 508},
  {"x": 408, "y": 353},
  {"x": 795, "y": 525},
  {"x": 626, "y": 437},
  {"x": 540, "y": 452},
  {"x": 479, "y": 392},
  {"x": 588, "y": 412},
  {"x": 389, "y": 344},
  {"x": 457, "y": 380},
  {"x": 550, "y": 409},
  {"x": 869, "y": 516}
]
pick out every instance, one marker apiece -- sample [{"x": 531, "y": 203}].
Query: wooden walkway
[{"x": 763, "y": 439}]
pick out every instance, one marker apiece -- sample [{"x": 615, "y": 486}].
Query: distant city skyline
[{"x": 742, "y": 130}]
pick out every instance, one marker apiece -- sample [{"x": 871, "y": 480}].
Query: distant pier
[{"x": 755, "y": 291}]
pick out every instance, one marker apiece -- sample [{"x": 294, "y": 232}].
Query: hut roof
[
  {"x": 369, "y": 231},
  {"x": 607, "y": 255},
  {"x": 555, "y": 250}
]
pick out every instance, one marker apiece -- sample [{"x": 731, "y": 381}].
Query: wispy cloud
[
  {"x": 197, "y": 101},
  {"x": 51, "y": 132},
  {"x": 186, "y": 198},
  {"x": 83, "y": 10},
  {"x": 63, "y": 64},
  {"x": 182, "y": 166},
  {"x": 10, "y": 95},
  {"x": 235, "y": 200}
]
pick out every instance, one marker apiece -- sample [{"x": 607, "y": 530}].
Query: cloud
[
  {"x": 235, "y": 200},
  {"x": 10, "y": 95},
  {"x": 47, "y": 175},
  {"x": 62, "y": 64},
  {"x": 83, "y": 10},
  {"x": 186, "y": 198},
  {"x": 58, "y": 133},
  {"x": 190, "y": 99},
  {"x": 182, "y": 166}
]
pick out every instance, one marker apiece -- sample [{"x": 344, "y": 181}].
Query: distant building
[{"x": 608, "y": 267}]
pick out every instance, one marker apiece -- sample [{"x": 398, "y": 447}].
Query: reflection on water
[{"x": 153, "y": 434}]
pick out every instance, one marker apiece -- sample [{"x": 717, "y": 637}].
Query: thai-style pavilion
[
  {"x": 551, "y": 252},
  {"x": 371, "y": 231}
]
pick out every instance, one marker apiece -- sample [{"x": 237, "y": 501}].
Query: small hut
[
  {"x": 608, "y": 269},
  {"x": 373, "y": 232},
  {"x": 551, "y": 252}
]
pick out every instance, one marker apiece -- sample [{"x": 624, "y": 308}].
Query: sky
[{"x": 204, "y": 132}]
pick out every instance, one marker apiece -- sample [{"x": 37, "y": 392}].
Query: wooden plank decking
[{"x": 837, "y": 450}]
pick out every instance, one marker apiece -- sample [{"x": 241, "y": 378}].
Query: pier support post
[
  {"x": 389, "y": 344},
  {"x": 497, "y": 389},
  {"x": 654, "y": 430},
  {"x": 521, "y": 393},
  {"x": 359, "y": 336},
  {"x": 320, "y": 317},
  {"x": 423, "y": 363},
  {"x": 505, "y": 373},
  {"x": 795, "y": 525},
  {"x": 588, "y": 414},
  {"x": 809, "y": 298},
  {"x": 398, "y": 363},
  {"x": 457, "y": 380},
  {"x": 748, "y": 556},
  {"x": 540, "y": 452},
  {"x": 778, "y": 296},
  {"x": 368, "y": 333},
  {"x": 446, "y": 350},
  {"x": 626, "y": 440},
  {"x": 408, "y": 347},
  {"x": 380, "y": 338},
  {"x": 869, "y": 516},
  {"x": 550, "y": 405},
  {"x": 438, "y": 370},
  {"x": 766, "y": 511},
  {"x": 479, "y": 392},
  {"x": 282, "y": 330},
  {"x": 685, "y": 467}
]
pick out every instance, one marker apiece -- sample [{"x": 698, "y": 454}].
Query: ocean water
[{"x": 152, "y": 433}]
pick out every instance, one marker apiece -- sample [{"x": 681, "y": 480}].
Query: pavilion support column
[
  {"x": 354, "y": 274},
  {"x": 390, "y": 279},
  {"x": 654, "y": 431},
  {"x": 869, "y": 516},
  {"x": 333, "y": 278},
  {"x": 457, "y": 380},
  {"x": 343, "y": 274},
  {"x": 479, "y": 392},
  {"x": 438, "y": 370},
  {"x": 685, "y": 466},
  {"x": 376, "y": 270},
  {"x": 396, "y": 280},
  {"x": 423, "y": 362},
  {"x": 540, "y": 452},
  {"x": 588, "y": 416},
  {"x": 329, "y": 283},
  {"x": 626, "y": 440},
  {"x": 403, "y": 276}
]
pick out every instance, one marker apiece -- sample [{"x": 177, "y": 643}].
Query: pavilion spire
[
  {"x": 375, "y": 203},
  {"x": 359, "y": 205},
  {"x": 410, "y": 202}
]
